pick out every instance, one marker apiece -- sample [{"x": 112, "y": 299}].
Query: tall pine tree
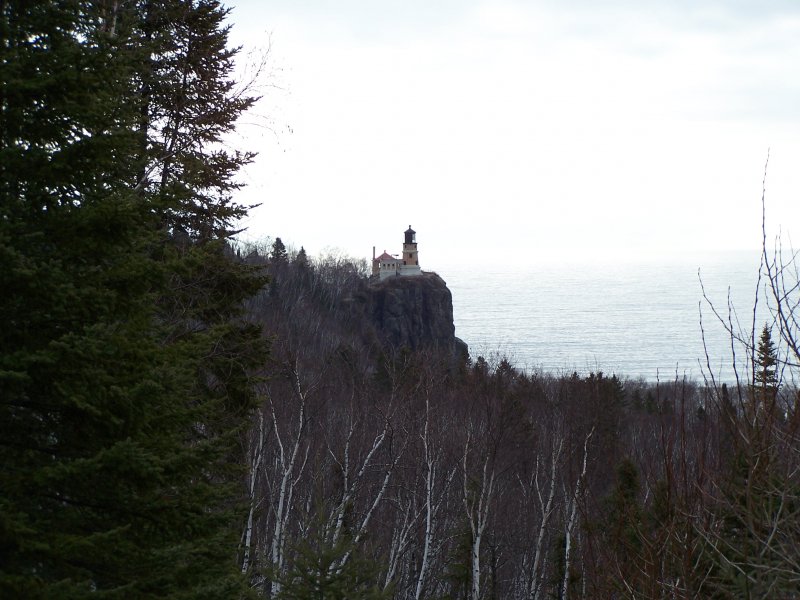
[
  {"x": 125, "y": 366},
  {"x": 765, "y": 377}
]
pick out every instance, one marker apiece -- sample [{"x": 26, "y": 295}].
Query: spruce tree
[
  {"x": 301, "y": 260},
  {"x": 278, "y": 254},
  {"x": 317, "y": 574},
  {"x": 125, "y": 366},
  {"x": 765, "y": 378}
]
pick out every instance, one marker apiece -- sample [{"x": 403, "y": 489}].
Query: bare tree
[
  {"x": 752, "y": 524},
  {"x": 546, "y": 510}
]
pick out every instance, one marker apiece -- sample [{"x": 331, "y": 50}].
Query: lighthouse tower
[
  {"x": 410, "y": 265},
  {"x": 410, "y": 248}
]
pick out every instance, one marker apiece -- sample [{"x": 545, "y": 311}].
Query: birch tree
[
  {"x": 365, "y": 458},
  {"x": 291, "y": 454},
  {"x": 495, "y": 430},
  {"x": 544, "y": 488},
  {"x": 572, "y": 510},
  {"x": 438, "y": 479},
  {"x": 255, "y": 456}
]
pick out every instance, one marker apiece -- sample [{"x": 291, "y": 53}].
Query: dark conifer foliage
[
  {"x": 125, "y": 364},
  {"x": 278, "y": 254},
  {"x": 765, "y": 375},
  {"x": 187, "y": 103}
]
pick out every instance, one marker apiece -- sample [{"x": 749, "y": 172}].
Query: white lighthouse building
[{"x": 387, "y": 265}]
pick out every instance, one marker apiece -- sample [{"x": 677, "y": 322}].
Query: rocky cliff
[{"x": 415, "y": 313}]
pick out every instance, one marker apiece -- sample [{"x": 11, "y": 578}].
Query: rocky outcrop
[{"x": 415, "y": 313}]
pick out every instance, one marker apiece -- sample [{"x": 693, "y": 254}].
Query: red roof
[{"x": 386, "y": 257}]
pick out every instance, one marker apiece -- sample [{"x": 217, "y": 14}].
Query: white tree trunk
[
  {"x": 573, "y": 516},
  {"x": 477, "y": 509},
  {"x": 288, "y": 481},
  {"x": 353, "y": 483},
  {"x": 436, "y": 492},
  {"x": 255, "y": 465},
  {"x": 400, "y": 539},
  {"x": 547, "y": 510}
]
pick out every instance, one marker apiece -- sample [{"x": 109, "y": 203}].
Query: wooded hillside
[{"x": 386, "y": 472}]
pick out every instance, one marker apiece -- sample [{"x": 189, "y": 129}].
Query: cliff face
[{"x": 415, "y": 313}]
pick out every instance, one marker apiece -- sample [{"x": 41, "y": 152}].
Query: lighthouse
[
  {"x": 410, "y": 257},
  {"x": 407, "y": 265}
]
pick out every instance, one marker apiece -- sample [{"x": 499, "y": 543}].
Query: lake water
[{"x": 634, "y": 318}]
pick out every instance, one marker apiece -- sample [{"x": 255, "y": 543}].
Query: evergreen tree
[
  {"x": 621, "y": 530},
  {"x": 187, "y": 100},
  {"x": 301, "y": 260},
  {"x": 278, "y": 255},
  {"x": 765, "y": 378},
  {"x": 756, "y": 507},
  {"x": 317, "y": 574},
  {"x": 624, "y": 511},
  {"x": 125, "y": 368}
]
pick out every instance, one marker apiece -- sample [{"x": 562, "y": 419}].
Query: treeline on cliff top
[{"x": 178, "y": 422}]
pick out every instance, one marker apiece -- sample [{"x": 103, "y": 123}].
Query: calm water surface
[{"x": 633, "y": 318}]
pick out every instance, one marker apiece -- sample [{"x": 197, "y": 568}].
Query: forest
[
  {"x": 376, "y": 472},
  {"x": 182, "y": 416}
]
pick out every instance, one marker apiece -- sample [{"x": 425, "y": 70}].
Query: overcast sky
[{"x": 510, "y": 131}]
